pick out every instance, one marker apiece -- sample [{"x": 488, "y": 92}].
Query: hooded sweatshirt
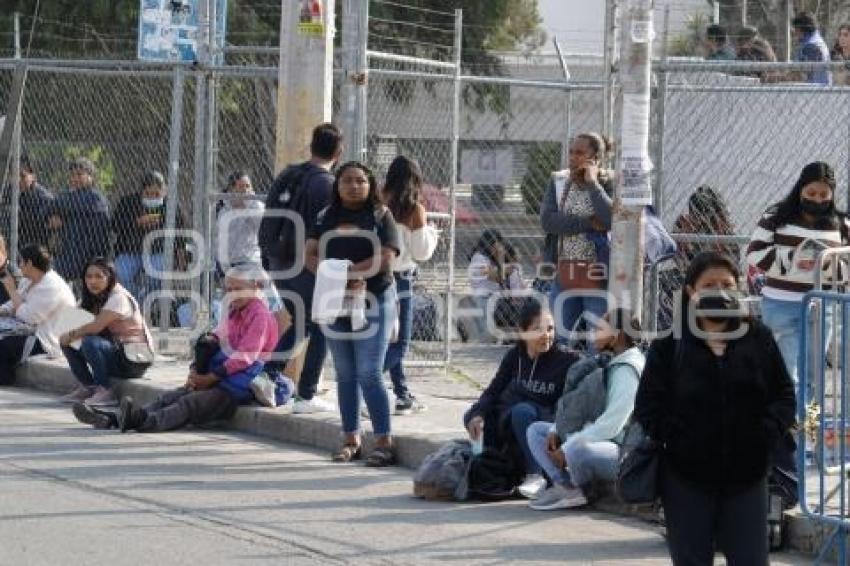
[
  {"x": 623, "y": 377},
  {"x": 519, "y": 378}
]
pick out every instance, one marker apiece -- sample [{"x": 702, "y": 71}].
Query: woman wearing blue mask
[{"x": 137, "y": 215}]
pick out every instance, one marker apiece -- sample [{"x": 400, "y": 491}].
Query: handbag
[
  {"x": 640, "y": 461},
  {"x": 138, "y": 353}
]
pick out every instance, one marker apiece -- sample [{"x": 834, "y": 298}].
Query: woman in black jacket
[
  {"x": 718, "y": 398},
  {"x": 526, "y": 388}
]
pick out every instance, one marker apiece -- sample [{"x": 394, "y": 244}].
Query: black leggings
[{"x": 699, "y": 521}]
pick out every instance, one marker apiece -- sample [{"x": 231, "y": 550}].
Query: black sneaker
[
  {"x": 408, "y": 405},
  {"x": 103, "y": 420},
  {"x": 130, "y": 417}
]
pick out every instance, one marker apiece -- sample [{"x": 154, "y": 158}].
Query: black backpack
[
  {"x": 494, "y": 475},
  {"x": 277, "y": 234}
]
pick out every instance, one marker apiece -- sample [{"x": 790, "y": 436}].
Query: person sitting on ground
[
  {"x": 716, "y": 44},
  {"x": 101, "y": 351},
  {"x": 490, "y": 274},
  {"x": 226, "y": 361},
  {"x": 574, "y": 461},
  {"x": 36, "y": 302},
  {"x": 5, "y": 268},
  {"x": 528, "y": 383}
]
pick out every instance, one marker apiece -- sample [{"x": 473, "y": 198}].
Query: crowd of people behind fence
[
  {"x": 810, "y": 46},
  {"x": 577, "y": 379}
]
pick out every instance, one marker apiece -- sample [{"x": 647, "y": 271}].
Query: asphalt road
[{"x": 70, "y": 496}]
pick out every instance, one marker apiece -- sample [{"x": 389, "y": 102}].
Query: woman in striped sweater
[{"x": 785, "y": 246}]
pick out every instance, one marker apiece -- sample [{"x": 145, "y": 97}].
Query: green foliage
[
  {"x": 543, "y": 159},
  {"x": 689, "y": 42}
]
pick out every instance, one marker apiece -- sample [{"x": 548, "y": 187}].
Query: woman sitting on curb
[
  {"x": 226, "y": 362},
  {"x": 35, "y": 303},
  {"x": 527, "y": 385},
  {"x": 106, "y": 342},
  {"x": 572, "y": 460}
]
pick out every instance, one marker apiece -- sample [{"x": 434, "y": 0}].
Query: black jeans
[
  {"x": 698, "y": 521},
  {"x": 11, "y": 350}
]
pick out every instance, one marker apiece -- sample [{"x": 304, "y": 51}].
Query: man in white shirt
[{"x": 31, "y": 312}]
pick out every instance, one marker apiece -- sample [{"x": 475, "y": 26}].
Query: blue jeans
[
  {"x": 522, "y": 416},
  {"x": 586, "y": 461},
  {"x": 130, "y": 268},
  {"x": 359, "y": 361},
  {"x": 317, "y": 349},
  {"x": 398, "y": 349},
  {"x": 784, "y": 318},
  {"x": 572, "y": 308},
  {"x": 97, "y": 360}
]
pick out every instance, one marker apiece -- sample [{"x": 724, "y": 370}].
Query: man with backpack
[{"x": 303, "y": 190}]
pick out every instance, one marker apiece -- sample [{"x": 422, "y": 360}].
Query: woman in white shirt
[
  {"x": 117, "y": 343},
  {"x": 238, "y": 223},
  {"x": 32, "y": 309},
  {"x": 403, "y": 196}
]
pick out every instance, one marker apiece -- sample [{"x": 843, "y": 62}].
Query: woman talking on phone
[{"x": 576, "y": 216}]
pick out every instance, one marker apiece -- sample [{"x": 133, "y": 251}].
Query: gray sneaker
[
  {"x": 95, "y": 417},
  {"x": 81, "y": 393},
  {"x": 559, "y": 497},
  {"x": 102, "y": 397}
]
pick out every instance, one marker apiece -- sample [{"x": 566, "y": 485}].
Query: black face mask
[
  {"x": 817, "y": 209},
  {"x": 720, "y": 301}
]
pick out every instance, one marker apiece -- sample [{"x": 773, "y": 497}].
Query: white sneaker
[
  {"x": 314, "y": 405},
  {"x": 559, "y": 497},
  {"x": 533, "y": 486}
]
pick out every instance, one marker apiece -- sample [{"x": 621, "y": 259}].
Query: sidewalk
[{"x": 446, "y": 395}]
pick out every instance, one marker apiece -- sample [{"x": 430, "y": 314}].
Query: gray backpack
[{"x": 443, "y": 474}]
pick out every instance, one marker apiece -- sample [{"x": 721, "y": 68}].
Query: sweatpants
[
  {"x": 698, "y": 520},
  {"x": 180, "y": 407}
]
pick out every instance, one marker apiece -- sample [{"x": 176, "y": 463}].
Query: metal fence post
[
  {"x": 200, "y": 286},
  {"x": 661, "y": 120},
  {"x": 172, "y": 198},
  {"x": 355, "y": 38},
  {"x": 455, "y": 150},
  {"x": 568, "y": 102}
]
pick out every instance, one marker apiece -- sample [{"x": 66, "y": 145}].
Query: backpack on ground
[
  {"x": 443, "y": 474},
  {"x": 494, "y": 474}
]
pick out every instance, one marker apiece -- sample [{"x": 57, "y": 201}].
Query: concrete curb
[
  {"x": 318, "y": 431},
  {"x": 322, "y": 431}
]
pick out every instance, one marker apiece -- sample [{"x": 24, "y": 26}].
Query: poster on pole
[
  {"x": 635, "y": 164},
  {"x": 310, "y": 21},
  {"x": 170, "y": 30}
]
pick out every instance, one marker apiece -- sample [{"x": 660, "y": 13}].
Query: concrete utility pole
[
  {"x": 305, "y": 86},
  {"x": 355, "y": 35},
  {"x": 634, "y": 190}
]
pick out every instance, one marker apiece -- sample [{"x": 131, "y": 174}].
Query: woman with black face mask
[
  {"x": 785, "y": 245},
  {"x": 717, "y": 397}
]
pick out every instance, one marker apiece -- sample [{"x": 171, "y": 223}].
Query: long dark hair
[
  {"x": 403, "y": 187},
  {"x": 374, "y": 198},
  {"x": 789, "y": 211},
  {"x": 91, "y": 302},
  {"x": 709, "y": 213},
  {"x": 837, "y": 54},
  {"x": 485, "y": 244}
]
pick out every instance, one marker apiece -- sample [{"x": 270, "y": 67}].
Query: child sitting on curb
[{"x": 226, "y": 362}]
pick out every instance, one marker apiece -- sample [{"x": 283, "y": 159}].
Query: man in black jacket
[
  {"x": 34, "y": 203},
  {"x": 302, "y": 189}
]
